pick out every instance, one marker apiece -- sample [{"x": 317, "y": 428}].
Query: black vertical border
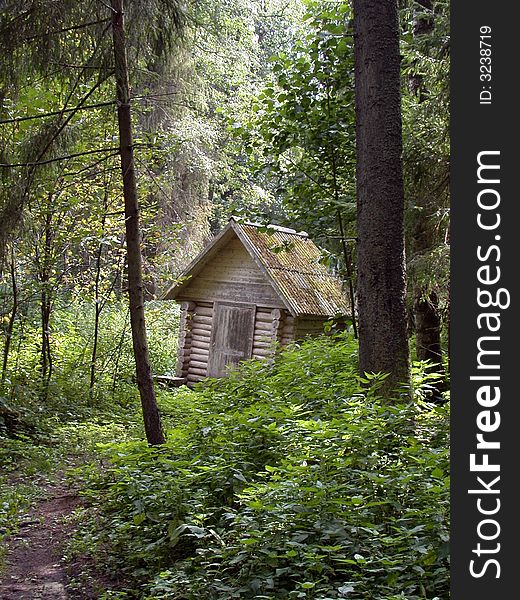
[{"x": 477, "y": 127}]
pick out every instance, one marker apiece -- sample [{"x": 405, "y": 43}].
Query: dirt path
[{"x": 34, "y": 569}]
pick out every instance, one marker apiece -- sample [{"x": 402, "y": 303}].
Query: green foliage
[
  {"x": 71, "y": 342},
  {"x": 286, "y": 480},
  {"x": 300, "y": 133},
  {"x": 426, "y": 144},
  {"x": 15, "y": 499}
]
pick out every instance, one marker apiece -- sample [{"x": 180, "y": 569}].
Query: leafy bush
[
  {"x": 68, "y": 395},
  {"x": 285, "y": 480}
]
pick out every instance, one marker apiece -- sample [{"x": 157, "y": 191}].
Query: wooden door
[{"x": 231, "y": 336}]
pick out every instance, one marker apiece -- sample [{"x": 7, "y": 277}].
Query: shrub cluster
[{"x": 288, "y": 479}]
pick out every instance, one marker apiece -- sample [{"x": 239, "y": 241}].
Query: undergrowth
[
  {"x": 50, "y": 427},
  {"x": 288, "y": 479}
]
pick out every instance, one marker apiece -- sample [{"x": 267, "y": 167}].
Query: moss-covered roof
[{"x": 289, "y": 260}]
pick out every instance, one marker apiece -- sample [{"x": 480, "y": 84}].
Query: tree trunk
[
  {"x": 423, "y": 25},
  {"x": 97, "y": 315},
  {"x": 12, "y": 317},
  {"x": 428, "y": 338},
  {"x": 97, "y": 299},
  {"x": 383, "y": 341},
  {"x": 46, "y": 300},
  {"x": 427, "y": 323},
  {"x": 152, "y": 421}
]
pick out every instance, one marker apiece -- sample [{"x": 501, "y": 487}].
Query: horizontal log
[
  {"x": 202, "y": 343},
  {"x": 262, "y": 353},
  {"x": 263, "y": 318},
  {"x": 202, "y": 319},
  {"x": 263, "y": 337},
  {"x": 194, "y": 378},
  {"x": 205, "y": 310},
  {"x": 196, "y": 364},
  {"x": 262, "y": 345},
  {"x": 200, "y": 334},
  {"x": 263, "y": 333},
  {"x": 199, "y": 325},
  {"x": 196, "y": 371},
  {"x": 200, "y": 352},
  {"x": 199, "y": 362},
  {"x": 263, "y": 326}
]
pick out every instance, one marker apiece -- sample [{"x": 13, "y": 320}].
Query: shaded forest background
[{"x": 244, "y": 108}]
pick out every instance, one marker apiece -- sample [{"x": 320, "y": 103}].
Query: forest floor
[
  {"x": 43, "y": 509},
  {"x": 34, "y": 568},
  {"x": 35, "y": 564}
]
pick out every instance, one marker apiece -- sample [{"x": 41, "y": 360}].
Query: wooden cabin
[{"x": 251, "y": 287}]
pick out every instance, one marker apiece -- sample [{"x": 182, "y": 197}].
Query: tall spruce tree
[{"x": 381, "y": 287}]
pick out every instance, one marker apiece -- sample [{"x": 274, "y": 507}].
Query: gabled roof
[{"x": 289, "y": 260}]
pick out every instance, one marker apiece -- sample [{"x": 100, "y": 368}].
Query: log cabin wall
[
  {"x": 247, "y": 292},
  {"x": 194, "y": 340},
  {"x": 184, "y": 342},
  {"x": 268, "y": 324},
  {"x": 287, "y": 330},
  {"x": 310, "y": 326},
  {"x": 271, "y": 325}
]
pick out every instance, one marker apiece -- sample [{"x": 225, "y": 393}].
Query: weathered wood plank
[
  {"x": 307, "y": 327},
  {"x": 168, "y": 381},
  {"x": 232, "y": 275},
  {"x": 233, "y": 292},
  {"x": 232, "y": 336}
]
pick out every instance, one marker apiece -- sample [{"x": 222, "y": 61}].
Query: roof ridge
[
  {"x": 319, "y": 274},
  {"x": 279, "y": 228}
]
